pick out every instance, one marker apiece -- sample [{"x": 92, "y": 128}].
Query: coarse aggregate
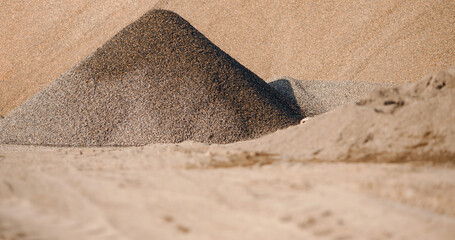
[{"x": 158, "y": 80}]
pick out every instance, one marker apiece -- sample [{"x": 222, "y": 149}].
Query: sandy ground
[
  {"x": 242, "y": 190},
  {"x": 316, "y": 180},
  {"x": 191, "y": 191},
  {"x": 382, "y": 41}
]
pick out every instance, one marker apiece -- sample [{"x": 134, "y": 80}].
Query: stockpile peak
[{"x": 158, "y": 80}]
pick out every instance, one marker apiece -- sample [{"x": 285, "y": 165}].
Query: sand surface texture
[
  {"x": 315, "y": 97},
  {"x": 43, "y": 39},
  {"x": 410, "y": 122},
  {"x": 312, "y": 40},
  {"x": 329, "y": 178},
  {"x": 157, "y": 81},
  {"x": 193, "y": 191},
  {"x": 366, "y": 166}
]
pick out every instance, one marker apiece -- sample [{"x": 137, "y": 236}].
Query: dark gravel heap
[
  {"x": 158, "y": 80},
  {"x": 317, "y": 97}
]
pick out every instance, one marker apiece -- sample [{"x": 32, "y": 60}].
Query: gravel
[
  {"x": 316, "y": 97},
  {"x": 158, "y": 80}
]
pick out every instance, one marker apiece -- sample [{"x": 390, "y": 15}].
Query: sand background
[
  {"x": 366, "y": 170},
  {"x": 383, "y": 41},
  {"x": 324, "y": 179}
]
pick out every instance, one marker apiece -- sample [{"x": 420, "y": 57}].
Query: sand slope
[
  {"x": 413, "y": 122},
  {"x": 42, "y": 39},
  {"x": 331, "y": 40},
  {"x": 342, "y": 40}
]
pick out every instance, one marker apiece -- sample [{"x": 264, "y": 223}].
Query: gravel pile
[
  {"x": 158, "y": 80},
  {"x": 317, "y": 97}
]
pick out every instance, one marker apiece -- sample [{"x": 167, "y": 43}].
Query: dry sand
[
  {"x": 273, "y": 187},
  {"x": 46, "y": 38},
  {"x": 406, "y": 123},
  {"x": 185, "y": 192},
  {"x": 329, "y": 178},
  {"x": 376, "y": 40}
]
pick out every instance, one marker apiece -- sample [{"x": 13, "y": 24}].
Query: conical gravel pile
[{"x": 158, "y": 80}]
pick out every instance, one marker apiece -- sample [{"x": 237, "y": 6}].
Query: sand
[
  {"x": 375, "y": 166},
  {"x": 183, "y": 192},
  {"x": 157, "y": 81},
  {"x": 413, "y": 122},
  {"x": 46, "y": 38},
  {"x": 381, "y": 41},
  {"x": 380, "y": 168}
]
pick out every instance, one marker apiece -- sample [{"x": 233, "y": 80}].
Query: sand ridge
[{"x": 412, "y": 122}]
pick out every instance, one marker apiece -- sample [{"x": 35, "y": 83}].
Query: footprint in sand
[
  {"x": 321, "y": 223},
  {"x": 180, "y": 227}
]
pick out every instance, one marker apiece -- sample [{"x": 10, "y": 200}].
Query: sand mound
[
  {"x": 158, "y": 80},
  {"x": 316, "y": 97},
  {"x": 411, "y": 122}
]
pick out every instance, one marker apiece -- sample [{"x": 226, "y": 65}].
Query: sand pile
[
  {"x": 411, "y": 122},
  {"x": 157, "y": 81},
  {"x": 316, "y": 97}
]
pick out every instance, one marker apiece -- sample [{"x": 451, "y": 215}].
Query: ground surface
[
  {"x": 193, "y": 191},
  {"x": 243, "y": 190}
]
